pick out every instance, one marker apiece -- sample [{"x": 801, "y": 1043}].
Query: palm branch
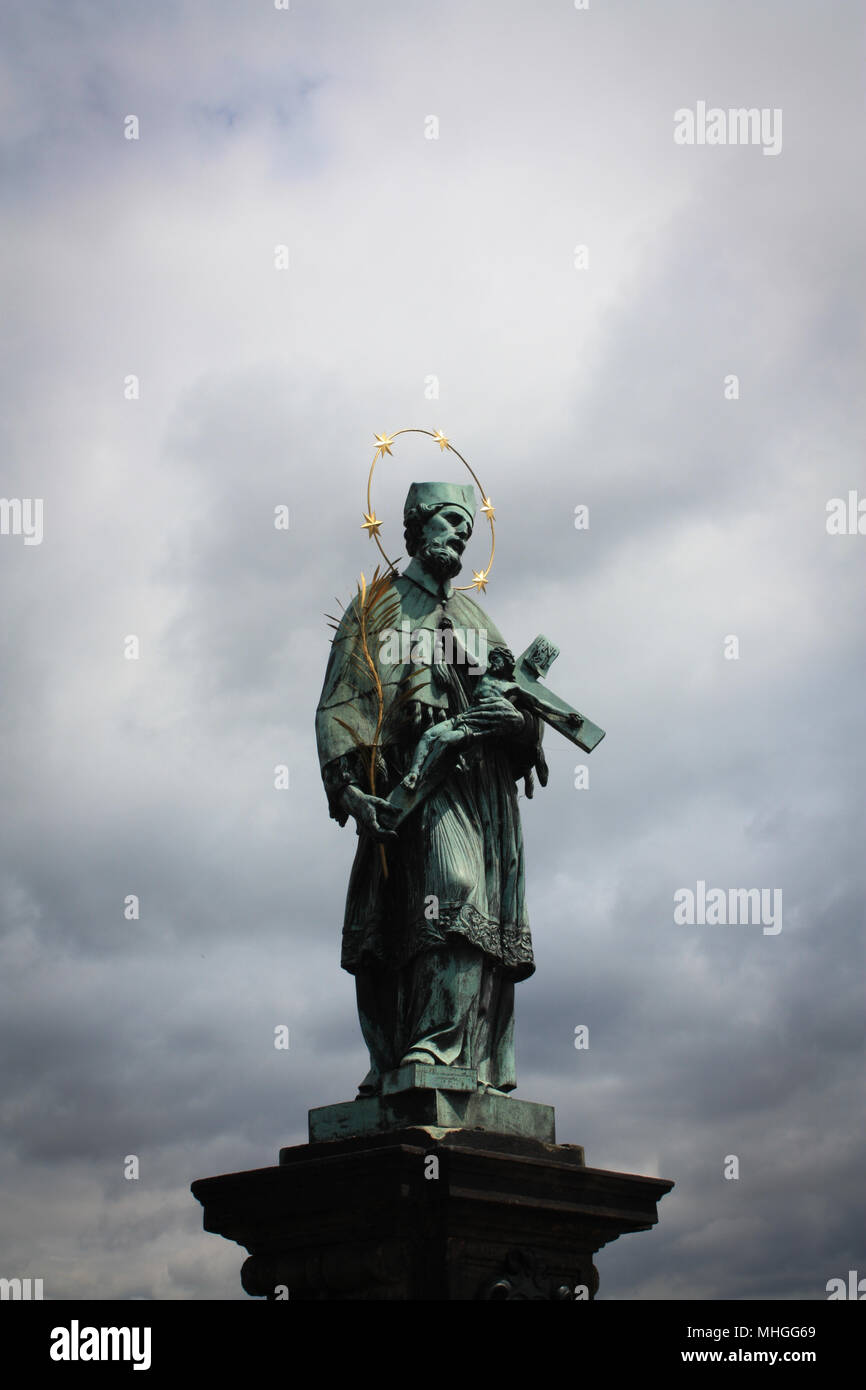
[{"x": 375, "y": 608}]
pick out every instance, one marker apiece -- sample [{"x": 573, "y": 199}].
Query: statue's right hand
[{"x": 373, "y": 814}]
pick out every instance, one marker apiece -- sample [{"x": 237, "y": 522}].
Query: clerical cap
[{"x": 460, "y": 495}]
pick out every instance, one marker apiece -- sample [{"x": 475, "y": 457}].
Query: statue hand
[
  {"x": 372, "y": 814},
  {"x": 493, "y": 714}
]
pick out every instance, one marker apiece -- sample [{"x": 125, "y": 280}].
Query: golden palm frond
[{"x": 375, "y": 608}]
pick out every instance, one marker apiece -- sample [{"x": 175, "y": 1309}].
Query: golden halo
[{"x": 372, "y": 524}]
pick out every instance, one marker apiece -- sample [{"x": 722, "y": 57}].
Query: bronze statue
[{"x": 423, "y": 748}]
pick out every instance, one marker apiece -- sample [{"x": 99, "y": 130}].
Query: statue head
[
  {"x": 500, "y": 663},
  {"x": 438, "y": 520}
]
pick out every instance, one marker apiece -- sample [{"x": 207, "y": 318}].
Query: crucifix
[{"x": 517, "y": 681}]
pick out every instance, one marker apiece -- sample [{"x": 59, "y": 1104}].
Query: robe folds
[{"x": 455, "y": 875}]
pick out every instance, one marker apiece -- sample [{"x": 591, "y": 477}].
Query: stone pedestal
[
  {"x": 444, "y": 1097},
  {"x": 485, "y": 1206}
]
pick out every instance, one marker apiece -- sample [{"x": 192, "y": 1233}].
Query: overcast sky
[{"x": 417, "y": 264}]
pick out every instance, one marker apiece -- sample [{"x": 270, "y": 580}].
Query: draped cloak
[{"x": 457, "y": 868}]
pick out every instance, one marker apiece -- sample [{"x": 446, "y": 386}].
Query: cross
[{"x": 529, "y": 668}]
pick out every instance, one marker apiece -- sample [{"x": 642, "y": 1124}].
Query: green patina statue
[{"x": 425, "y": 725}]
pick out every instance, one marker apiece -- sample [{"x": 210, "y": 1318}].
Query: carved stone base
[
  {"x": 427, "y": 1214},
  {"x": 445, "y": 1097}
]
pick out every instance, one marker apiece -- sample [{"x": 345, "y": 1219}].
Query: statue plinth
[
  {"x": 441, "y": 1097},
  {"x": 427, "y": 1212}
]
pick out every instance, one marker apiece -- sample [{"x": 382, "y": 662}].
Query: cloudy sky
[{"x": 430, "y": 282}]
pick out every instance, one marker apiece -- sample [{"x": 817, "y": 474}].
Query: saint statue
[{"x": 423, "y": 744}]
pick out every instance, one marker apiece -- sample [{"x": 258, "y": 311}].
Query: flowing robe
[{"x": 449, "y": 920}]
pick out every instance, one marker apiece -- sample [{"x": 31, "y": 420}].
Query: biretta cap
[{"x": 460, "y": 495}]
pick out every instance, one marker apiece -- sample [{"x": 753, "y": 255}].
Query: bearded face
[
  {"x": 443, "y": 541},
  {"x": 439, "y": 559}
]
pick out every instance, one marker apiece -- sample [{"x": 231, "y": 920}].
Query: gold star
[
  {"x": 487, "y": 509},
  {"x": 441, "y": 440},
  {"x": 479, "y": 580},
  {"x": 384, "y": 442},
  {"x": 371, "y": 524}
]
